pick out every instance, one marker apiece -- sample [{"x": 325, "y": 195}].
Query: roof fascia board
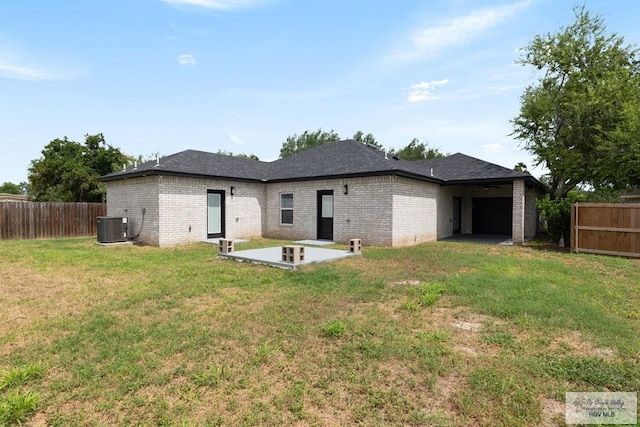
[
  {"x": 141, "y": 174},
  {"x": 359, "y": 175},
  {"x": 152, "y": 172},
  {"x": 497, "y": 181}
]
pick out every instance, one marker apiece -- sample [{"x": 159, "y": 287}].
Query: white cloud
[
  {"x": 11, "y": 71},
  {"x": 423, "y": 91},
  {"x": 186, "y": 60},
  {"x": 492, "y": 148},
  {"x": 237, "y": 115},
  {"x": 219, "y": 4},
  {"x": 427, "y": 42},
  {"x": 236, "y": 139},
  {"x": 20, "y": 62}
]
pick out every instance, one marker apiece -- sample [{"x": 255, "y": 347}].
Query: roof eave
[
  {"x": 145, "y": 173},
  {"x": 358, "y": 175},
  {"x": 498, "y": 181}
]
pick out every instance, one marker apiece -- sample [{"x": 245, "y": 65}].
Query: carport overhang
[
  {"x": 530, "y": 182},
  {"x": 519, "y": 187}
]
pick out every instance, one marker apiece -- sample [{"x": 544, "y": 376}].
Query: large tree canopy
[
  {"x": 581, "y": 120},
  {"x": 68, "y": 171}
]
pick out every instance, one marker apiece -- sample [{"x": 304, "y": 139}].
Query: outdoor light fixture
[
  {"x": 233, "y": 190},
  {"x": 346, "y": 189}
]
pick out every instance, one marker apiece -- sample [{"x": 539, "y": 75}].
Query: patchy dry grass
[{"x": 439, "y": 334}]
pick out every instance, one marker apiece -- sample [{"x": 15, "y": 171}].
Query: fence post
[{"x": 573, "y": 230}]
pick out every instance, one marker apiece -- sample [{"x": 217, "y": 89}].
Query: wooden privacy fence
[
  {"x": 605, "y": 228},
  {"x": 41, "y": 220}
]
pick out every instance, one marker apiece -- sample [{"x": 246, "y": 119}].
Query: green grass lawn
[{"x": 437, "y": 334}]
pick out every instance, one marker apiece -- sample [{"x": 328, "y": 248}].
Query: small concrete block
[
  {"x": 225, "y": 246},
  {"x": 293, "y": 254},
  {"x": 355, "y": 246}
]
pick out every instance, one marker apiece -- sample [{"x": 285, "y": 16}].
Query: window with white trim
[{"x": 286, "y": 208}]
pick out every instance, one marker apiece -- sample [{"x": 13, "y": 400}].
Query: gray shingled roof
[
  {"x": 335, "y": 159},
  {"x": 338, "y": 159},
  {"x": 460, "y": 167},
  {"x": 197, "y": 163}
]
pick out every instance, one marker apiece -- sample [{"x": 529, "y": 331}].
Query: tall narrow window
[{"x": 286, "y": 208}]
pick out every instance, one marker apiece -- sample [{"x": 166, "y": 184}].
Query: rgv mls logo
[{"x": 601, "y": 408}]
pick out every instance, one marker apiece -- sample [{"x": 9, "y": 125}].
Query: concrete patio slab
[
  {"x": 315, "y": 242},
  {"x": 273, "y": 256},
  {"x": 487, "y": 239},
  {"x": 217, "y": 241},
  {"x": 128, "y": 242}
]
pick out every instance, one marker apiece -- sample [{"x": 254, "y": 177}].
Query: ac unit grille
[{"x": 112, "y": 229}]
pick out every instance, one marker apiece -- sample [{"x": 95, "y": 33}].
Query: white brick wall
[
  {"x": 382, "y": 211},
  {"x": 183, "y": 207},
  {"x": 365, "y": 212},
  {"x": 128, "y": 197},
  {"x": 176, "y": 208},
  {"x": 415, "y": 211}
]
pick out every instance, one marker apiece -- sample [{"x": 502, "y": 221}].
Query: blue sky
[{"x": 162, "y": 76}]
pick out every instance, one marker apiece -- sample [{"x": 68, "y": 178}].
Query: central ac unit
[{"x": 112, "y": 229}]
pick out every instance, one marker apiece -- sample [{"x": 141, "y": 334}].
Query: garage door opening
[{"x": 492, "y": 215}]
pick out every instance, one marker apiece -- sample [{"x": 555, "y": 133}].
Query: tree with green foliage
[
  {"x": 557, "y": 214},
  {"x": 241, "y": 155},
  {"x": 10, "y": 188},
  {"x": 68, "y": 171},
  {"x": 520, "y": 167},
  {"x": 297, "y": 143},
  {"x": 581, "y": 120},
  {"x": 367, "y": 139},
  {"x": 417, "y": 150}
]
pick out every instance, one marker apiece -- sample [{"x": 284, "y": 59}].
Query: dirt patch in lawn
[
  {"x": 461, "y": 318},
  {"x": 406, "y": 283},
  {"x": 445, "y": 389},
  {"x": 578, "y": 346},
  {"x": 29, "y": 300},
  {"x": 467, "y": 325},
  {"x": 399, "y": 267},
  {"x": 552, "y": 412}
]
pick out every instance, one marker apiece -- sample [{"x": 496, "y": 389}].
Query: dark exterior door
[
  {"x": 492, "y": 215},
  {"x": 325, "y": 215},
  {"x": 457, "y": 215},
  {"x": 215, "y": 213}
]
